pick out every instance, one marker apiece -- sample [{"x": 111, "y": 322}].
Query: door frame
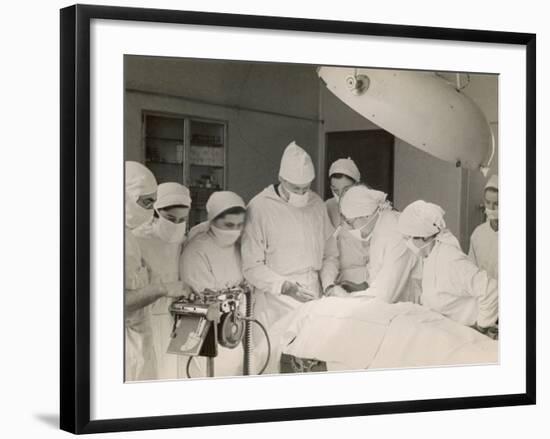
[{"x": 324, "y": 160}]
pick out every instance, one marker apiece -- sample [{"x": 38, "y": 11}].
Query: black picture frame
[{"x": 75, "y": 217}]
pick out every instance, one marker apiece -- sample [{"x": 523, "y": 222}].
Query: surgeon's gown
[
  {"x": 140, "y": 353},
  {"x": 283, "y": 242},
  {"x": 207, "y": 265},
  {"x": 455, "y": 287},
  {"x": 163, "y": 258},
  {"x": 393, "y": 272},
  {"x": 484, "y": 249},
  {"x": 353, "y": 254}
]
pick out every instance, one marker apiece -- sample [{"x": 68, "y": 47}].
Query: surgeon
[
  {"x": 484, "y": 241},
  {"x": 451, "y": 283},
  {"x": 342, "y": 174},
  {"x": 289, "y": 253},
  {"x": 161, "y": 240},
  {"x": 369, "y": 219},
  {"x": 211, "y": 261},
  {"x": 139, "y": 292}
]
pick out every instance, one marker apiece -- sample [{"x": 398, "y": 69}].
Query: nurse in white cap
[
  {"x": 342, "y": 174},
  {"x": 451, "y": 284},
  {"x": 211, "y": 260},
  {"x": 352, "y": 254},
  {"x": 289, "y": 253},
  {"x": 161, "y": 240},
  {"x": 370, "y": 220},
  {"x": 139, "y": 290},
  {"x": 484, "y": 242}
]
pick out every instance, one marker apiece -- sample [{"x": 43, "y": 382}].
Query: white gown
[
  {"x": 353, "y": 254},
  {"x": 163, "y": 258},
  {"x": 283, "y": 242},
  {"x": 455, "y": 287},
  {"x": 140, "y": 362},
  {"x": 392, "y": 268},
  {"x": 207, "y": 265},
  {"x": 484, "y": 249}
]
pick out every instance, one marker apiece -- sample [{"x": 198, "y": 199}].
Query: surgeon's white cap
[
  {"x": 492, "y": 182},
  {"x": 296, "y": 165},
  {"x": 359, "y": 201},
  {"x": 172, "y": 194},
  {"x": 346, "y": 167},
  {"x": 421, "y": 219},
  {"x": 139, "y": 180},
  {"x": 221, "y": 201}
]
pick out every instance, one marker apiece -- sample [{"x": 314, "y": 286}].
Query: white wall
[{"x": 256, "y": 140}]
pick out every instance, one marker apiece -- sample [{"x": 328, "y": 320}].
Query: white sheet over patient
[{"x": 363, "y": 333}]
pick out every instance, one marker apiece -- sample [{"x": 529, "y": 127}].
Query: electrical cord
[
  {"x": 268, "y": 341},
  {"x": 188, "y": 373},
  {"x": 262, "y": 327}
]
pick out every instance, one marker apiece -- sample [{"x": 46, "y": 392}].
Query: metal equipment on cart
[{"x": 204, "y": 321}]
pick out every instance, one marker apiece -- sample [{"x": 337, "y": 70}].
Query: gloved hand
[
  {"x": 297, "y": 292},
  {"x": 336, "y": 291}
]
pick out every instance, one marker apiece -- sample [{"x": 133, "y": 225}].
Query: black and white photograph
[
  {"x": 285, "y": 218},
  {"x": 275, "y": 220}
]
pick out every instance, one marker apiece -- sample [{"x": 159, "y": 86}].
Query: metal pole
[
  {"x": 247, "y": 342},
  {"x": 210, "y": 371}
]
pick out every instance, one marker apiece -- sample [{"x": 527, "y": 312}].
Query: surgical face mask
[
  {"x": 492, "y": 214},
  {"x": 356, "y": 233},
  {"x": 336, "y": 196},
  {"x": 225, "y": 237},
  {"x": 411, "y": 245},
  {"x": 416, "y": 250},
  {"x": 136, "y": 215},
  {"x": 298, "y": 200},
  {"x": 168, "y": 231}
]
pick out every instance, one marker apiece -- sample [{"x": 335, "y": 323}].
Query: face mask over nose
[
  {"x": 135, "y": 214},
  {"x": 416, "y": 250},
  {"x": 413, "y": 247},
  {"x": 336, "y": 196},
  {"x": 356, "y": 233},
  {"x": 298, "y": 200},
  {"x": 168, "y": 231},
  {"x": 492, "y": 214},
  {"x": 225, "y": 238}
]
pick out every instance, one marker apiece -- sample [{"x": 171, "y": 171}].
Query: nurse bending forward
[
  {"x": 211, "y": 260},
  {"x": 451, "y": 283},
  {"x": 161, "y": 240}
]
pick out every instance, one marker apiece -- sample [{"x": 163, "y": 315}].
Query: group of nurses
[
  {"x": 160, "y": 268},
  {"x": 412, "y": 256},
  {"x": 291, "y": 248}
]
